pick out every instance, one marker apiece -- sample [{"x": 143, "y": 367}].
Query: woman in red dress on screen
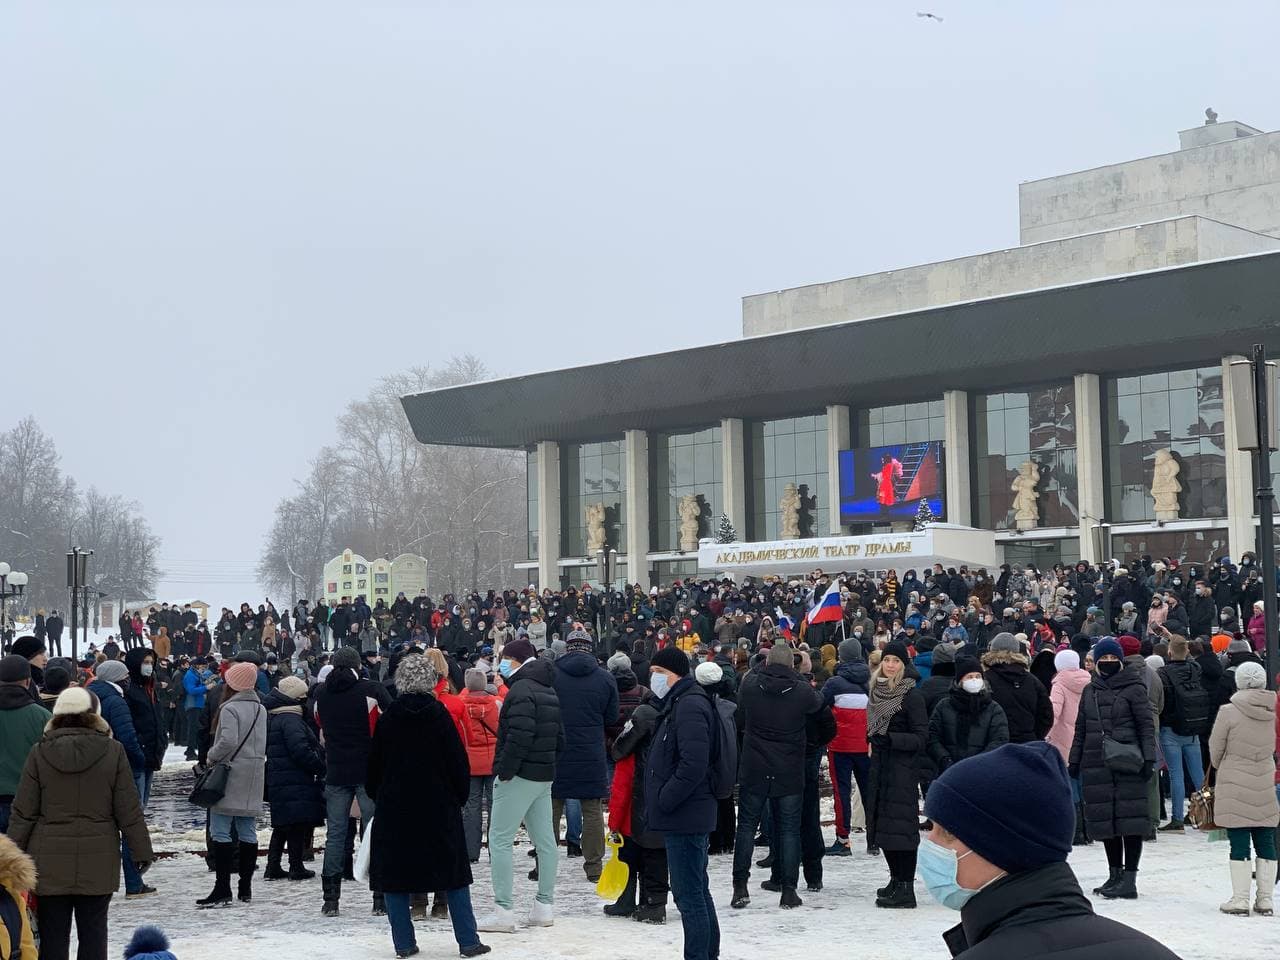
[{"x": 890, "y": 470}]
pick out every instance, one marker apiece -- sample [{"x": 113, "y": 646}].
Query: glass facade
[
  {"x": 1189, "y": 546},
  {"x": 781, "y": 452},
  {"x": 1180, "y": 410},
  {"x": 901, "y": 423},
  {"x": 1012, "y": 428},
  {"x": 680, "y": 465},
  {"x": 1041, "y": 554},
  {"x": 531, "y": 503},
  {"x": 592, "y": 473}
]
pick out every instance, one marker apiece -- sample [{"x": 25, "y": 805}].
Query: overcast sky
[{"x": 220, "y": 222}]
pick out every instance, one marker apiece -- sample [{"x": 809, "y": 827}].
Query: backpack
[
  {"x": 1190, "y": 710},
  {"x": 724, "y": 753}
]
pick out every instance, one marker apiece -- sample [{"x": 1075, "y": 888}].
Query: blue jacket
[
  {"x": 924, "y": 665},
  {"x": 588, "y": 703},
  {"x": 193, "y": 682},
  {"x": 116, "y": 712},
  {"x": 677, "y": 778}
]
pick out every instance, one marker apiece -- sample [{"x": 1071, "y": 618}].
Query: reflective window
[
  {"x": 781, "y": 452},
  {"x": 1181, "y": 411},
  {"x": 592, "y": 473},
  {"x": 531, "y": 499},
  {"x": 901, "y": 423},
  {"x": 1011, "y": 428},
  {"x": 1041, "y": 554},
  {"x": 680, "y": 465},
  {"x": 1188, "y": 546}
]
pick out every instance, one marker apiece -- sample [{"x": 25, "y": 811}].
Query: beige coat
[{"x": 1242, "y": 746}]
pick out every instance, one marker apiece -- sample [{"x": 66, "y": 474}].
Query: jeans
[
  {"x": 193, "y": 732},
  {"x": 478, "y": 800},
  {"x": 687, "y": 863},
  {"x": 846, "y": 768},
  {"x": 515, "y": 800},
  {"x": 132, "y": 878},
  {"x": 460, "y": 915},
  {"x": 811, "y": 847},
  {"x": 227, "y": 829},
  {"x": 785, "y": 837},
  {"x": 337, "y": 802},
  {"x": 1180, "y": 752},
  {"x": 572, "y": 821}
]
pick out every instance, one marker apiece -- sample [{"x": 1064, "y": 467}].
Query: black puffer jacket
[
  {"x": 342, "y": 707},
  {"x": 1115, "y": 804},
  {"x": 146, "y": 709},
  {"x": 893, "y": 821},
  {"x": 964, "y": 725},
  {"x": 1023, "y": 697},
  {"x": 295, "y": 765},
  {"x": 774, "y": 705},
  {"x": 529, "y": 730}
]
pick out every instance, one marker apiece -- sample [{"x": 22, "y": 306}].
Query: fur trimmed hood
[
  {"x": 86, "y": 721},
  {"x": 995, "y": 657},
  {"x": 17, "y": 870}
]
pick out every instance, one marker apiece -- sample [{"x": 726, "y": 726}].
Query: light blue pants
[{"x": 517, "y": 800}]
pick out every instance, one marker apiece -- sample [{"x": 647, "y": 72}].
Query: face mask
[
  {"x": 938, "y": 866},
  {"x": 504, "y": 668},
  {"x": 659, "y": 684},
  {"x": 972, "y": 685},
  {"x": 147, "y": 669},
  {"x": 1109, "y": 668}
]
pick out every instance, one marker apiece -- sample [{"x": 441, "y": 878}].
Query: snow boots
[
  {"x": 900, "y": 895},
  {"x": 248, "y": 864},
  {"x": 1109, "y": 884},
  {"x": 275, "y": 853},
  {"x": 625, "y": 905},
  {"x": 223, "y": 856},
  {"x": 740, "y": 896},
  {"x": 1264, "y": 905},
  {"x": 1241, "y": 879},
  {"x": 332, "y": 887},
  {"x": 1126, "y": 889}
]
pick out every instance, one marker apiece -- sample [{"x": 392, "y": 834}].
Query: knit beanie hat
[
  {"x": 579, "y": 641},
  {"x": 519, "y": 650},
  {"x": 709, "y": 674},
  {"x": 1005, "y": 642},
  {"x": 1107, "y": 647},
  {"x": 971, "y": 800},
  {"x": 27, "y": 647},
  {"x": 56, "y": 679},
  {"x": 148, "y": 943},
  {"x": 1251, "y": 676},
  {"x": 1155, "y": 661},
  {"x": 75, "y": 700},
  {"x": 673, "y": 659},
  {"x": 1129, "y": 644},
  {"x": 295, "y": 688},
  {"x": 944, "y": 653},
  {"x": 15, "y": 669},
  {"x": 1066, "y": 660},
  {"x": 896, "y": 648},
  {"x": 966, "y": 666},
  {"x": 618, "y": 662},
  {"x": 850, "y": 651},
  {"x": 780, "y": 655},
  {"x": 475, "y": 680},
  {"x": 346, "y": 657},
  {"x": 416, "y": 675},
  {"x": 112, "y": 671},
  {"x": 241, "y": 676},
  {"x": 1238, "y": 645}
]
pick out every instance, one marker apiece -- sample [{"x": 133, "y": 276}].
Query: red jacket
[
  {"x": 451, "y": 702},
  {"x": 480, "y": 730}
]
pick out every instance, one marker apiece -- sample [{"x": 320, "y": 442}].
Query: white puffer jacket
[{"x": 1242, "y": 746}]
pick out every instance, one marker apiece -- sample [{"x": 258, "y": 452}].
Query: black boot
[
  {"x": 275, "y": 851},
  {"x": 651, "y": 913},
  {"x": 626, "y": 904},
  {"x": 740, "y": 896},
  {"x": 1126, "y": 889},
  {"x": 790, "y": 899},
  {"x": 1110, "y": 882},
  {"x": 332, "y": 887},
  {"x": 901, "y": 896},
  {"x": 440, "y": 909},
  {"x": 248, "y": 864},
  {"x": 379, "y": 905},
  {"x": 765, "y": 863},
  {"x": 223, "y": 856},
  {"x": 296, "y": 842}
]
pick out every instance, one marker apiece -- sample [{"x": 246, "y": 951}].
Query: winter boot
[
  {"x": 1241, "y": 879},
  {"x": 740, "y": 895},
  {"x": 771, "y": 886},
  {"x": 839, "y": 849},
  {"x": 248, "y": 864},
  {"x": 540, "y": 915},
  {"x": 572, "y": 850},
  {"x": 651, "y": 913},
  {"x": 765, "y": 862},
  {"x": 1081, "y": 838},
  {"x": 1127, "y": 888},
  {"x": 872, "y": 849},
  {"x": 501, "y": 920},
  {"x": 296, "y": 842},
  {"x": 440, "y": 909},
  {"x": 475, "y": 950},
  {"x": 223, "y": 856},
  {"x": 275, "y": 851},
  {"x": 1263, "y": 906},
  {"x": 1111, "y": 881},
  {"x": 901, "y": 896},
  {"x": 379, "y": 905},
  {"x": 886, "y": 889},
  {"x": 626, "y": 904},
  {"x": 790, "y": 899},
  {"x": 419, "y": 906},
  {"x": 332, "y": 887}
]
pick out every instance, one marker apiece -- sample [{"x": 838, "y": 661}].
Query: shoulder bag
[
  {"x": 211, "y": 786},
  {"x": 1118, "y": 756}
]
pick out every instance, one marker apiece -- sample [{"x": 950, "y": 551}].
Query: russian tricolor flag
[
  {"x": 785, "y": 624},
  {"x": 827, "y": 610}
]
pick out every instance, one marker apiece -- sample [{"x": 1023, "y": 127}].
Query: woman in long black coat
[
  {"x": 898, "y": 731},
  {"x": 419, "y": 779},
  {"x": 1115, "y": 705},
  {"x": 295, "y": 779}
]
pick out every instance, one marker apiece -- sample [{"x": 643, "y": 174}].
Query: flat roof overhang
[{"x": 1138, "y": 322}]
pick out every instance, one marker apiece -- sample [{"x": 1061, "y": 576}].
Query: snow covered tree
[
  {"x": 725, "y": 532},
  {"x": 924, "y": 515}
]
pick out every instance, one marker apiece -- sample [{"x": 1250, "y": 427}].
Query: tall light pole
[{"x": 12, "y": 584}]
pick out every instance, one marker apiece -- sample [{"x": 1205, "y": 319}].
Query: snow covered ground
[{"x": 1182, "y": 882}]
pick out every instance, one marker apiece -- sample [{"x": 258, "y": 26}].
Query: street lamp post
[{"x": 13, "y": 583}]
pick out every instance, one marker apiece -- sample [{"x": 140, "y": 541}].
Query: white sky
[{"x": 221, "y": 222}]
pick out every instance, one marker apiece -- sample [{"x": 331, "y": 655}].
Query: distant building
[{"x": 351, "y": 575}]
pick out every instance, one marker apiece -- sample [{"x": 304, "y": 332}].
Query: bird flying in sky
[{"x": 928, "y": 16}]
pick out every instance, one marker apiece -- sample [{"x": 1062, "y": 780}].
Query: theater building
[{"x": 1033, "y": 397}]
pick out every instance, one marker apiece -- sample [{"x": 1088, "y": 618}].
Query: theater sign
[{"x": 948, "y": 544}]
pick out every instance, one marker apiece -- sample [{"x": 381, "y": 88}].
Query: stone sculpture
[
  {"x": 595, "y": 528},
  {"x": 1026, "y": 499},
  {"x": 1165, "y": 486},
  {"x": 789, "y": 518},
  {"x": 690, "y": 522}
]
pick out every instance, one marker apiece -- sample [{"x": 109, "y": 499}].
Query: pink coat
[
  {"x": 1064, "y": 694},
  {"x": 1258, "y": 632}
]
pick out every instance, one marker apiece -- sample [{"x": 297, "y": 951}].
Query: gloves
[
  {"x": 1148, "y": 768},
  {"x": 1074, "y": 771},
  {"x": 142, "y": 866},
  {"x": 880, "y": 740}
]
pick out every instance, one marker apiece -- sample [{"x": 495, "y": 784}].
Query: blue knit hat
[
  {"x": 1107, "y": 646},
  {"x": 1012, "y": 805},
  {"x": 148, "y": 943}
]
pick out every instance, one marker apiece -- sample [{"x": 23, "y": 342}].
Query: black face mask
[{"x": 1109, "y": 668}]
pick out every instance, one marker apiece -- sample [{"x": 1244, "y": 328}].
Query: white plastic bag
[{"x": 363, "y": 855}]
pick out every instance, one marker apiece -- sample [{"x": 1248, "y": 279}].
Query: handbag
[
  {"x": 1118, "y": 756},
  {"x": 211, "y": 785},
  {"x": 1200, "y": 809}
]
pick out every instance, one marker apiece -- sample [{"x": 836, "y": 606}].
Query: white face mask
[
  {"x": 147, "y": 669},
  {"x": 659, "y": 684},
  {"x": 972, "y": 684}
]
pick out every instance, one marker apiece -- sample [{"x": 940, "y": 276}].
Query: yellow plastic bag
[{"x": 613, "y": 877}]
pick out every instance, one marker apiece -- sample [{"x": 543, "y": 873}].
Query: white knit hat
[
  {"x": 75, "y": 700},
  {"x": 709, "y": 674},
  {"x": 1249, "y": 676}
]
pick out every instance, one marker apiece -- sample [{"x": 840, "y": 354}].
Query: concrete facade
[
  {"x": 636, "y": 465},
  {"x": 1241, "y": 503},
  {"x": 548, "y": 514},
  {"x": 733, "y": 472},
  {"x": 955, "y": 418},
  {"x": 838, "y": 438},
  {"x": 1090, "y": 479}
]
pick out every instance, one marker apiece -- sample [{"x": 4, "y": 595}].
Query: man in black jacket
[
  {"x": 1202, "y": 615},
  {"x": 774, "y": 706},
  {"x": 1004, "y": 865},
  {"x": 530, "y": 735},
  {"x": 1023, "y": 697},
  {"x": 346, "y": 709}
]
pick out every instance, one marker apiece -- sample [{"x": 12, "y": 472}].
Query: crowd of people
[{"x": 690, "y": 721}]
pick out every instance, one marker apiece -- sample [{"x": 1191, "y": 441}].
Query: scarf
[{"x": 885, "y": 703}]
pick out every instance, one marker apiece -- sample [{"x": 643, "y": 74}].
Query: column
[
  {"x": 837, "y": 440},
  {"x": 955, "y": 413},
  {"x": 548, "y": 514},
  {"x": 1241, "y": 535},
  {"x": 1090, "y": 479},
  {"x": 636, "y": 458},
  {"x": 733, "y": 472}
]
